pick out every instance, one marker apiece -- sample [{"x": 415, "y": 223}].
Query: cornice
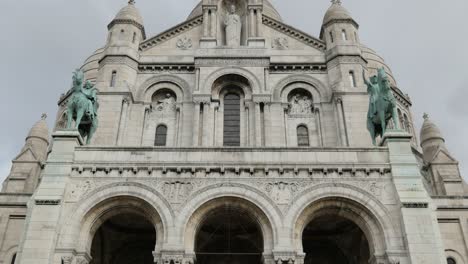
[
  {"x": 294, "y": 33},
  {"x": 171, "y": 33}
]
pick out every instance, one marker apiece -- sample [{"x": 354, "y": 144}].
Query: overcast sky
[{"x": 425, "y": 42}]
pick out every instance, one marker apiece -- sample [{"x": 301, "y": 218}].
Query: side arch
[
  {"x": 178, "y": 85},
  {"x": 108, "y": 201},
  {"x": 254, "y": 82},
  {"x": 189, "y": 217},
  {"x": 356, "y": 205},
  {"x": 450, "y": 253},
  {"x": 318, "y": 90}
]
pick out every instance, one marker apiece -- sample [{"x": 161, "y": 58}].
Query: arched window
[
  {"x": 451, "y": 261},
  {"x": 113, "y": 79},
  {"x": 161, "y": 136},
  {"x": 13, "y": 259},
  {"x": 134, "y": 37},
  {"x": 303, "y": 136},
  {"x": 232, "y": 120},
  {"x": 331, "y": 37},
  {"x": 352, "y": 79},
  {"x": 343, "y": 34}
]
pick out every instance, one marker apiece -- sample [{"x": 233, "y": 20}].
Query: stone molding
[
  {"x": 171, "y": 33},
  {"x": 166, "y": 68},
  {"x": 346, "y": 60},
  {"x": 303, "y": 68},
  {"x": 294, "y": 33},
  {"x": 47, "y": 202},
  {"x": 119, "y": 59},
  {"x": 232, "y": 61}
]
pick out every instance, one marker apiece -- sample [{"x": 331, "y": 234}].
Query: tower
[
  {"x": 118, "y": 68},
  {"x": 27, "y": 165},
  {"x": 440, "y": 166}
]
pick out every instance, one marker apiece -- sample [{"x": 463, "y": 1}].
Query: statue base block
[
  {"x": 256, "y": 42},
  {"x": 208, "y": 42}
]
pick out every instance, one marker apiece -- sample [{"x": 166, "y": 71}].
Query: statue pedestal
[
  {"x": 45, "y": 207},
  {"x": 418, "y": 216},
  {"x": 256, "y": 42},
  {"x": 208, "y": 42}
]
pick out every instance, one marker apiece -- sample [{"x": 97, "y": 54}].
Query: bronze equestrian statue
[
  {"x": 82, "y": 107},
  {"x": 382, "y": 105}
]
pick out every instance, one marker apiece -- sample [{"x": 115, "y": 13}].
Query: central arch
[{"x": 229, "y": 230}]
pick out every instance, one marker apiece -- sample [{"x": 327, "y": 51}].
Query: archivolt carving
[
  {"x": 318, "y": 90},
  {"x": 254, "y": 82},
  {"x": 179, "y": 86}
]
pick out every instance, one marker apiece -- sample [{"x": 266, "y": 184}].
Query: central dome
[{"x": 268, "y": 10}]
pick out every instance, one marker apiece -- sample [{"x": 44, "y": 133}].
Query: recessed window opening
[
  {"x": 352, "y": 79},
  {"x": 232, "y": 120},
  {"x": 343, "y": 34},
  {"x": 303, "y": 136},
  {"x": 161, "y": 136},
  {"x": 113, "y": 79},
  {"x": 331, "y": 37}
]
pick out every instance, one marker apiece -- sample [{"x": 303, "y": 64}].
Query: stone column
[
  {"x": 206, "y": 22},
  {"x": 258, "y": 125},
  {"x": 251, "y": 22},
  {"x": 123, "y": 121},
  {"x": 418, "y": 215},
  {"x": 196, "y": 124},
  {"x": 214, "y": 22},
  {"x": 44, "y": 209},
  {"x": 341, "y": 122},
  {"x": 318, "y": 120}
]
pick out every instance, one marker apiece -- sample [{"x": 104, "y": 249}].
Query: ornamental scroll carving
[
  {"x": 280, "y": 43},
  {"x": 184, "y": 43}
]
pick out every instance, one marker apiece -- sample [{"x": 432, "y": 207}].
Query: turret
[
  {"x": 431, "y": 139},
  {"x": 27, "y": 165},
  {"x": 439, "y": 164},
  {"x": 126, "y": 32},
  {"x": 343, "y": 54},
  {"x": 340, "y": 30}
]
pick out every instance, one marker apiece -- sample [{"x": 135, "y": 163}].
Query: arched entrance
[
  {"x": 332, "y": 239},
  {"x": 125, "y": 238},
  {"x": 231, "y": 236}
]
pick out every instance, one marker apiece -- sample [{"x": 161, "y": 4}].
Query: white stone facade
[{"x": 304, "y": 153}]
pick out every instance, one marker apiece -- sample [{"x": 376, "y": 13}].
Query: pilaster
[{"x": 418, "y": 215}]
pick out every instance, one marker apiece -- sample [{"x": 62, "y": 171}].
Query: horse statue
[
  {"x": 382, "y": 105},
  {"x": 82, "y": 107}
]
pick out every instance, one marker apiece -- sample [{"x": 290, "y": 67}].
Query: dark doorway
[
  {"x": 335, "y": 240},
  {"x": 124, "y": 239},
  {"x": 229, "y": 236}
]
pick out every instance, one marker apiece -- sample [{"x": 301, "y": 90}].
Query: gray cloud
[{"x": 423, "y": 41}]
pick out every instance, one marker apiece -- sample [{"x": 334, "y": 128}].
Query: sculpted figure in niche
[
  {"x": 166, "y": 104},
  {"x": 300, "y": 105},
  {"x": 233, "y": 25}
]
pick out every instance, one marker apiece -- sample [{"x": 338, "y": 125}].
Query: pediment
[
  {"x": 26, "y": 155},
  {"x": 183, "y": 37},
  {"x": 296, "y": 39}
]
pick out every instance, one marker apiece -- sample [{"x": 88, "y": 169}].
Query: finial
[
  {"x": 44, "y": 116},
  {"x": 336, "y": 2},
  {"x": 131, "y": 2},
  {"x": 426, "y": 116}
]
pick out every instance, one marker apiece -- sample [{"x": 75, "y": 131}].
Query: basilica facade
[{"x": 234, "y": 138}]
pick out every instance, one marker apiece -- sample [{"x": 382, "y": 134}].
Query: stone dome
[
  {"x": 130, "y": 12},
  {"x": 429, "y": 131},
  {"x": 40, "y": 130},
  {"x": 375, "y": 62},
  {"x": 336, "y": 11},
  {"x": 268, "y": 10},
  {"x": 90, "y": 67}
]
